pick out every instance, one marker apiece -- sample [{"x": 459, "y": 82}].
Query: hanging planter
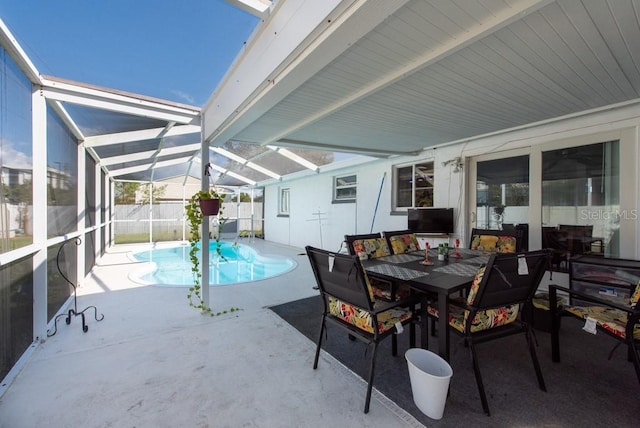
[
  {"x": 201, "y": 204},
  {"x": 209, "y": 206}
]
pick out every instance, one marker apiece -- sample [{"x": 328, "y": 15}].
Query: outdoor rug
[{"x": 584, "y": 389}]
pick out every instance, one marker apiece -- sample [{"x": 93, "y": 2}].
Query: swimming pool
[{"x": 241, "y": 263}]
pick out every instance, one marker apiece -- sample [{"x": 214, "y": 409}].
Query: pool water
[{"x": 240, "y": 263}]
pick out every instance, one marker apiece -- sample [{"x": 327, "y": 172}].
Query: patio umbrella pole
[{"x": 377, "y": 202}]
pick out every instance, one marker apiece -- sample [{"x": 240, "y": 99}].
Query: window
[
  {"x": 283, "y": 203},
  {"x": 413, "y": 185},
  {"x": 581, "y": 187},
  {"x": 16, "y": 163},
  {"x": 345, "y": 188}
]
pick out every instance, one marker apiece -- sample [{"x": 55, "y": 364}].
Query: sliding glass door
[
  {"x": 561, "y": 190},
  {"x": 581, "y": 197},
  {"x": 502, "y": 192}
]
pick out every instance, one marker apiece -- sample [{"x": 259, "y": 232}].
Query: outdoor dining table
[{"x": 439, "y": 280}]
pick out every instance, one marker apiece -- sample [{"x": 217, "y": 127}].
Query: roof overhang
[{"x": 400, "y": 77}]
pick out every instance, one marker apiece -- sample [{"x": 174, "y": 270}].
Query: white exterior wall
[{"x": 313, "y": 193}]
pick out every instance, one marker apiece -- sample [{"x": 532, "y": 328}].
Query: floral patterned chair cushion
[
  {"x": 363, "y": 319},
  {"x": 635, "y": 297},
  {"x": 371, "y": 248},
  {"x": 484, "y": 242},
  {"x": 401, "y": 244},
  {"x": 609, "y": 319},
  {"x": 506, "y": 244},
  {"x": 492, "y": 243},
  {"x": 483, "y": 320}
]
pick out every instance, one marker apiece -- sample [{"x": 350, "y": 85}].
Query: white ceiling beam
[
  {"x": 294, "y": 157},
  {"x": 129, "y": 106},
  {"x": 245, "y": 162},
  {"x": 120, "y": 97},
  {"x": 380, "y": 153},
  {"x": 18, "y": 55},
  {"x": 131, "y": 157},
  {"x": 67, "y": 119},
  {"x": 145, "y": 134},
  {"x": 146, "y": 167},
  {"x": 225, "y": 171},
  {"x": 302, "y": 39},
  {"x": 166, "y": 151},
  {"x": 468, "y": 37},
  {"x": 188, "y": 148},
  {"x": 255, "y": 7}
]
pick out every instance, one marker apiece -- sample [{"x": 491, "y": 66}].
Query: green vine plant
[{"x": 195, "y": 219}]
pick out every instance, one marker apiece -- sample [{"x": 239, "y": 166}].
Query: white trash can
[{"x": 430, "y": 375}]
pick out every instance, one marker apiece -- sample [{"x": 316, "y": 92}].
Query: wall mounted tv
[{"x": 430, "y": 220}]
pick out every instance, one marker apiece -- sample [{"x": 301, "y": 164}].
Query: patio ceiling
[
  {"x": 348, "y": 78},
  {"x": 386, "y": 78}
]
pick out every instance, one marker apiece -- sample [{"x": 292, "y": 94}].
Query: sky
[{"x": 177, "y": 50}]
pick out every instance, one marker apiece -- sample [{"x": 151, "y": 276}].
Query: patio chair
[
  {"x": 619, "y": 321},
  {"x": 371, "y": 246},
  {"x": 496, "y": 241},
  {"x": 556, "y": 241},
  {"x": 521, "y": 230},
  {"x": 350, "y": 305},
  {"x": 580, "y": 239},
  {"x": 401, "y": 241},
  {"x": 500, "y": 291}
]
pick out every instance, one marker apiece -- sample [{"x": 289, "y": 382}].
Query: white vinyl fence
[{"x": 132, "y": 222}]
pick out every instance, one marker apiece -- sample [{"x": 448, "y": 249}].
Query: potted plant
[
  {"x": 195, "y": 217},
  {"x": 499, "y": 209}
]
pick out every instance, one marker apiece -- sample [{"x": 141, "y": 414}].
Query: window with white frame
[
  {"x": 283, "y": 203},
  {"x": 345, "y": 188},
  {"x": 413, "y": 185}
]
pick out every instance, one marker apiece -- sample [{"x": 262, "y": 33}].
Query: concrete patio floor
[{"x": 155, "y": 362}]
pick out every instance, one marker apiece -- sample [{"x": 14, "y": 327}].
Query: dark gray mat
[{"x": 584, "y": 389}]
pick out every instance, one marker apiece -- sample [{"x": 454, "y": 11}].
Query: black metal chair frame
[
  {"x": 502, "y": 285},
  {"x": 560, "y": 250},
  {"x": 345, "y": 281},
  {"x": 633, "y": 319},
  {"x": 581, "y": 231},
  {"x": 393, "y": 285}
]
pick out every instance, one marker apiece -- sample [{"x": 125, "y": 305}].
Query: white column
[
  {"x": 204, "y": 239},
  {"x": 97, "y": 214},
  {"x": 81, "y": 212},
  {"x": 39, "y": 131}
]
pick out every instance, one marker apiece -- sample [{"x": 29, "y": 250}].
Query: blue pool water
[{"x": 241, "y": 263}]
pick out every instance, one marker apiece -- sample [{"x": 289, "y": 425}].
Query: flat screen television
[{"x": 430, "y": 220}]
